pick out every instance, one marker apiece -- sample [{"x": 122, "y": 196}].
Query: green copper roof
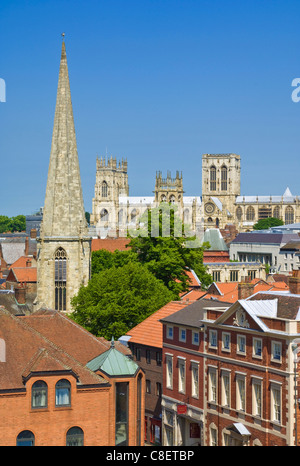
[{"x": 113, "y": 363}]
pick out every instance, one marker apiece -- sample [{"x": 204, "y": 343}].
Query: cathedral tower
[
  {"x": 111, "y": 184},
  {"x": 64, "y": 246},
  {"x": 220, "y": 187}
]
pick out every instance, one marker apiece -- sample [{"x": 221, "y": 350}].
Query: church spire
[{"x": 64, "y": 213}]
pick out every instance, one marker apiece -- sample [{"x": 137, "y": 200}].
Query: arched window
[
  {"x": 60, "y": 279},
  {"x": 239, "y": 213},
  {"x": 186, "y": 216},
  {"x": 74, "y": 437},
  {"x": 163, "y": 198},
  {"x": 103, "y": 216},
  {"x": 213, "y": 178},
  {"x": 276, "y": 212},
  {"x": 172, "y": 199},
  {"x": 63, "y": 393},
  {"x": 120, "y": 216},
  {"x": 104, "y": 189},
  {"x": 133, "y": 215},
  {"x": 39, "y": 394},
  {"x": 250, "y": 214},
  {"x": 224, "y": 178},
  {"x": 25, "y": 439},
  {"x": 289, "y": 215}
]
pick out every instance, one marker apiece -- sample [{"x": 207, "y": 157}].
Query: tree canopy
[
  {"x": 266, "y": 223},
  {"x": 119, "y": 298},
  {"x": 12, "y": 224},
  {"x": 168, "y": 249}
]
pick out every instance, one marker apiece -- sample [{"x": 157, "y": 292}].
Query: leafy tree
[
  {"x": 161, "y": 243},
  {"x": 266, "y": 223},
  {"x": 103, "y": 259},
  {"x": 117, "y": 299},
  {"x": 12, "y": 224}
]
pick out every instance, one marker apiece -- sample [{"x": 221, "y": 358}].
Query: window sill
[
  {"x": 39, "y": 410},
  {"x": 60, "y": 408}
]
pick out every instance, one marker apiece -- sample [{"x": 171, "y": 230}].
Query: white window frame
[
  {"x": 257, "y": 404},
  {"x": 241, "y": 397},
  {"x": 213, "y": 336},
  {"x": 212, "y": 385},
  {"x": 255, "y": 341},
  {"x": 170, "y": 328},
  {"x": 213, "y": 436},
  {"x": 193, "y": 338},
  {"x": 181, "y": 337},
  {"x": 181, "y": 374},
  {"x": 225, "y": 395},
  {"x": 169, "y": 373},
  {"x": 238, "y": 338},
  {"x": 195, "y": 381},
  {"x": 276, "y": 403},
  {"x": 226, "y": 335},
  {"x": 273, "y": 358}
]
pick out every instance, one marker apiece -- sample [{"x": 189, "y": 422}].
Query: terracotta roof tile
[
  {"x": 23, "y": 274},
  {"x": 110, "y": 244},
  {"x": 149, "y": 332}
]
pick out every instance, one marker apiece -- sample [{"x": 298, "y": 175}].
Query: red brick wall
[{"x": 92, "y": 409}]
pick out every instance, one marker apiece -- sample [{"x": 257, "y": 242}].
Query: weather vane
[{"x": 63, "y": 35}]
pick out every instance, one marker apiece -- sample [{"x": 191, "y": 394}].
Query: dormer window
[{"x": 39, "y": 394}]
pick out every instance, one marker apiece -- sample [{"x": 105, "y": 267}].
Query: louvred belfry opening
[{"x": 60, "y": 279}]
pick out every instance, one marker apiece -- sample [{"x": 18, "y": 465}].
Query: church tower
[
  {"x": 111, "y": 184},
  {"x": 64, "y": 246},
  {"x": 221, "y": 178}
]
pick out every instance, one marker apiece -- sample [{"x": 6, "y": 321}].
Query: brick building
[
  {"x": 145, "y": 341},
  {"x": 229, "y": 374},
  {"x": 60, "y": 385}
]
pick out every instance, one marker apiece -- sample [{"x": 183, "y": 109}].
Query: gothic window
[
  {"x": 120, "y": 216},
  {"x": 74, "y": 437},
  {"x": 276, "y": 212},
  {"x": 133, "y": 215},
  {"x": 172, "y": 199},
  {"x": 60, "y": 279},
  {"x": 163, "y": 198},
  {"x": 186, "y": 216},
  {"x": 213, "y": 178},
  {"x": 224, "y": 178},
  {"x": 250, "y": 214},
  {"x": 104, "y": 190},
  {"x": 239, "y": 213},
  {"x": 289, "y": 215},
  {"x": 104, "y": 215}
]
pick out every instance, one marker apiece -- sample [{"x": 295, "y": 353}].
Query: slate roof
[
  {"x": 265, "y": 238},
  {"x": 149, "y": 332},
  {"x": 192, "y": 314}
]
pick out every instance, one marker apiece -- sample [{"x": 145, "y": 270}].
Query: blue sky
[{"x": 159, "y": 82}]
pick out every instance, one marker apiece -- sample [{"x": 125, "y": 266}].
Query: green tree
[
  {"x": 117, "y": 299},
  {"x": 266, "y": 223},
  {"x": 12, "y": 224},
  {"x": 161, "y": 243},
  {"x": 103, "y": 259}
]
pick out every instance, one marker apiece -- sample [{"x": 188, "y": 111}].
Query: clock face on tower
[{"x": 209, "y": 208}]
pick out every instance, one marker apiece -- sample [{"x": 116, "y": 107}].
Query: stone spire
[{"x": 64, "y": 213}]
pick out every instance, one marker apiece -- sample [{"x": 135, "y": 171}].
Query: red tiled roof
[
  {"x": 149, "y": 332},
  {"x": 21, "y": 262},
  {"x": 46, "y": 341},
  {"x": 110, "y": 244},
  {"x": 23, "y": 274}
]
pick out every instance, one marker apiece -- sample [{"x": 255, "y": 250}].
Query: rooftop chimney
[
  {"x": 294, "y": 282},
  {"x": 245, "y": 289},
  {"x": 20, "y": 294}
]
